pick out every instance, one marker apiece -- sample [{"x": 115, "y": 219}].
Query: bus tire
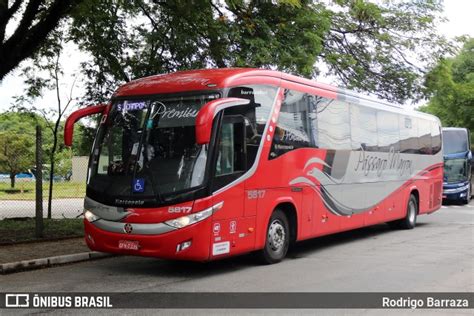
[
  {"x": 277, "y": 238},
  {"x": 468, "y": 195},
  {"x": 409, "y": 222}
]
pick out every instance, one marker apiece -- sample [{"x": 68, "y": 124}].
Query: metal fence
[
  {"x": 67, "y": 198},
  {"x": 67, "y": 201}
]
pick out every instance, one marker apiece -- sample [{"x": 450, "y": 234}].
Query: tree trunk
[
  {"x": 12, "y": 180},
  {"x": 50, "y": 192},
  {"x": 51, "y": 171},
  {"x": 28, "y": 37},
  {"x": 39, "y": 227}
]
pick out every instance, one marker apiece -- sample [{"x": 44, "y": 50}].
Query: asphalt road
[
  {"x": 60, "y": 208},
  {"x": 438, "y": 255}
]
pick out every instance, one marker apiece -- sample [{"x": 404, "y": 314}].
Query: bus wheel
[
  {"x": 412, "y": 212},
  {"x": 277, "y": 238},
  {"x": 409, "y": 221},
  {"x": 468, "y": 195}
]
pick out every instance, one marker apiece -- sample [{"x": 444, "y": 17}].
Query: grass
[
  {"x": 27, "y": 190},
  {"x": 21, "y": 230}
]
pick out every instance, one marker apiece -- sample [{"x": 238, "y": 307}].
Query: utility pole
[{"x": 39, "y": 184}]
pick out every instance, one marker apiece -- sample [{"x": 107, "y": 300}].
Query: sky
[{"x": 458, "y": 12}]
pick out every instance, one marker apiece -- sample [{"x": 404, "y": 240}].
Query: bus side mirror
[
  {"x": 207, "y": 114},
  {"x": 77, "y": 115}
]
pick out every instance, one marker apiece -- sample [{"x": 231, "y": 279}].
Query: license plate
[{"x": 129, "y": 244}]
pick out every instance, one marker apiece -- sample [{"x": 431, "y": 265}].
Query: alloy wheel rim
[
  {"x": 412, "y": 211},
  {"x": 276, "y": 236}
]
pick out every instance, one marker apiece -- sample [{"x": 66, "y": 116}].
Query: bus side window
[
  {"x": 435, "y": 138},
  {"x": 333, "y": 125},
  {"x": 293, "y": 129},
  {"x": 231, "y": 154},
  {"x": 388, "y": 131},
  {"x": 408, "y": 135},
  {"x": 424, "y": 136},
  {"x": 255, "y": 113},
  {"x": 363, "y": 128}
]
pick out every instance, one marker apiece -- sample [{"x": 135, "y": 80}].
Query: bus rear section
[
  {"x": 204, "y": 165},
  {"x": 458, "y": 161}
]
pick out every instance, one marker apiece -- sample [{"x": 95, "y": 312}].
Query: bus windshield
[
  {"x": 455, "y": 170},
  {"x": 455, "y": 141},
  {"x": 147, "y": 147}
]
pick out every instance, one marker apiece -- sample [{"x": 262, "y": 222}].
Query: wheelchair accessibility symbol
[{"x": 138, "y": 185}]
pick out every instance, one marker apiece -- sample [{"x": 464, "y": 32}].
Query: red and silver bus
[{"x": 205, "y": 164}]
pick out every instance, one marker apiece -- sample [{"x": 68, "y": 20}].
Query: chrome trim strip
[
  {"x": 137, "y": 229},
  {"x": 112, "y": 213},
  {"x": 229, "y": 104},
  {"x": 456, "y": 190}
]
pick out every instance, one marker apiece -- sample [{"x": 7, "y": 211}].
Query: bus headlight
[
  {"x": 190, "y": 219},
  {"x": 91, "y": 217}
]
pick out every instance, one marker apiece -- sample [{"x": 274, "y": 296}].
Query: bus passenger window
[
  {"x": 364, "y": 128},
  {"x": 333, "y": 125},
  {"x": 424, "y": 136},
  {"x": 435, "y": 138},
  {"x": 256, "y": 115},
  {"x": 408, "y": 135},
  {"x": 293, "y": 128}
]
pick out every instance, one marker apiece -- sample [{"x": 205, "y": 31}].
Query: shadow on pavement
[{"x": 168, "y": 268}]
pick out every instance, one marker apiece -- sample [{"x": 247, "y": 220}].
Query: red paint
[
  {"x": 207, "y": 114},
  {"x": 77, "y": 115},
  {"x": 241, "y": 212}
]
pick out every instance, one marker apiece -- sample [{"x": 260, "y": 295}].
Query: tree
[
  {"x": 63, "y": 163},
  {"x": 38, "y": 19},
  {"x": 16, "y": 153},
  {"x": 450, "y": 88},
  {"x": 380, "y": 47},
  {"x": 46, "y": 74}
]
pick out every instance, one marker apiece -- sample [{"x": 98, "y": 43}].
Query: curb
[{"x": 12, "y": 267}]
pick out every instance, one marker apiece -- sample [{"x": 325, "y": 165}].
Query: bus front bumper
[
  {"x": 188, "y": 243},
  {"x": 455, "y": 193}
]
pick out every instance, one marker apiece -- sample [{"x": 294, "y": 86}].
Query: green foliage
[
  {"x": 16, "y": 153},
  {"x": 24, "y": 124},
  {"x": 83, "y": 139},
  {"x": 450, "y": 86},
  {"x": 32, "y": 21},
  {"x": 12, "y": 231},
  {"x": 380, "y": 47},
  {"x": 63, "y": 163},
  {"x": 62, "y": 189}
]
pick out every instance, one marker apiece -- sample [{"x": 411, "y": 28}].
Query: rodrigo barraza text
[{"x": 428, "y": 302}]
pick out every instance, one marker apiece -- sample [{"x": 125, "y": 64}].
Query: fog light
[
  {"x": 183, "y": 246},
  {"x": 91, "y": 217},
  {"x": 463, "y": 194},
  {"x": 91, "y": 240}
]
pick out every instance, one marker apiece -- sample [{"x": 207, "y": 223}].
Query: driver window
[
  {"x": 225, "y": 158},
  {"x": 231, "y": 154}
]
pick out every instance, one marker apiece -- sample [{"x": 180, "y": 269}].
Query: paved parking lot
[
  {"x": 436, "y": 256},
  {"x": 61, "y": 208}
]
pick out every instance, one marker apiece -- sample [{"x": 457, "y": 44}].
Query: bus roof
[{"x": 211, "y": 79}]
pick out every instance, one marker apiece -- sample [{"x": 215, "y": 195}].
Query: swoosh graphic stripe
[
  {"x": 340, "y": 209},
  {"x": 316, "y": 160}
]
